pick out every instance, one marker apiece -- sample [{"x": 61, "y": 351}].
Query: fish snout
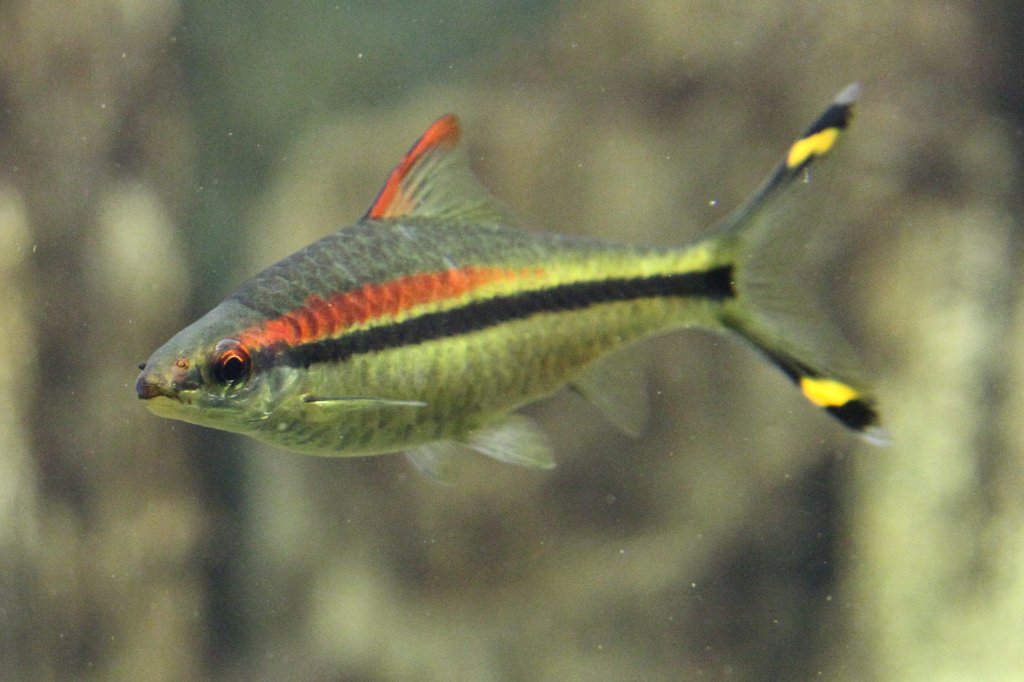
[{"x": 150, "y": 386}]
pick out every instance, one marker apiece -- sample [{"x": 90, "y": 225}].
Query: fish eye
[{"x": 231, "y": 363}]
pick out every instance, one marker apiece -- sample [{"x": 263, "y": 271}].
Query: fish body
[{"x": 432, "y": 319}]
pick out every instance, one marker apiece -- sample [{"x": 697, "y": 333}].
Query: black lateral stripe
[{"x": 715, "y": 284}]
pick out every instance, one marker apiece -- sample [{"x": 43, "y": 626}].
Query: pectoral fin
[{"x": 357, "y": 402}]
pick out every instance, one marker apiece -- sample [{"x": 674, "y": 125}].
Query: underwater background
[{"x": 154, "y": 154}]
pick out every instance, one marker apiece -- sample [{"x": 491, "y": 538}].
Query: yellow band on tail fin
[
  {"x": 812, "y": 145},
  {"x": 827, "y": 392}
]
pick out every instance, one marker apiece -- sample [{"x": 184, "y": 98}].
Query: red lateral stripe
[
  {"x": 444, "y": 134},
  {"x": 321, "y": 318}
]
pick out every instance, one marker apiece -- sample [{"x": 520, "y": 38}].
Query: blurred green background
[{"x": 155, "y": 153}]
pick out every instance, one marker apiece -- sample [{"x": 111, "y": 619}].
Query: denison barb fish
[{"x": 428, "y": 322}]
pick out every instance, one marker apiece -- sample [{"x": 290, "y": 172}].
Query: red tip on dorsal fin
[{"x": 399, "y": 195}]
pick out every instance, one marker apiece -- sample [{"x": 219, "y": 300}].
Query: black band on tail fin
[{"x": 858, "y": 415}]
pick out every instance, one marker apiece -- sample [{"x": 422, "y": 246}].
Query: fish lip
[{"x": 148, "y": 389}]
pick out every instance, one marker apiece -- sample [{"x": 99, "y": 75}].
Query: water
[{"x": 153, "y": 156}]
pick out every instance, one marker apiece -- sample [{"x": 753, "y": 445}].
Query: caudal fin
[{"x": 757, "y": 241}]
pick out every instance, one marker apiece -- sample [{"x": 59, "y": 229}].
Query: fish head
[{"x": 206, "y": 375}]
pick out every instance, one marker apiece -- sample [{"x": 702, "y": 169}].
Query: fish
[{"x": 423, "y": 327}]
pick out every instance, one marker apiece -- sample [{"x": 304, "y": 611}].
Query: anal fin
[{"x": 617, "y": 386}]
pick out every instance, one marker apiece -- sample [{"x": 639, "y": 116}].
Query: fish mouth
[
  {"x": 160, "y": 398},
  {"x": 151, "y": 389},
  {"x": 164, "y": 406},
  {"x": 148, "y": 389}
]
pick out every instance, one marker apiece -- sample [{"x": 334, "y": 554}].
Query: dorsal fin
[{"x": 434, "y": 180}]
